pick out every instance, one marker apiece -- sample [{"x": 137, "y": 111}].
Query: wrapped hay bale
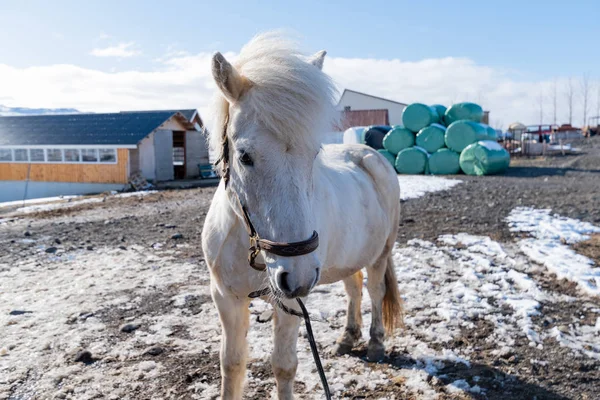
[
  {"x": 389, "y": 156},
  {"x": 398, "y": 139},
  {"x": 491, "y": 132},
  {"x": 431, "y": 138},
  {"x": 417, "y": 116},
  {"x": 354, "y": 135},
  {"x": 441, "y": 111},
  {"x": 484, "y": 158},
  {"x": 462, "y": 133},
  {"x": 411, "y": 161},
  {"x": 373, "y": 136},
  {"x": 469, "y": 111},
  {"x": 444, "y": 162}
]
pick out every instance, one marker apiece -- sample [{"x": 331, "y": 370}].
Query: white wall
[
  {"x": 196, "y": 152},
  {"x": 163, "y": 155},
  {"x": 358, "y": 101},
  {"x": 147, "y": 162},
  {"x": 15, "y": 190}
]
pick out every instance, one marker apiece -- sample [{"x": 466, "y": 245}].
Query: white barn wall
[
  {"x": 196, "y": 152},
  {"x": 359, "y": 101},
  {"x": 163, "y": 155},
  {"x": 147, "y": 162}
]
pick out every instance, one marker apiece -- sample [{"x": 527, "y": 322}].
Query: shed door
[{"x": 179, "y": 154}]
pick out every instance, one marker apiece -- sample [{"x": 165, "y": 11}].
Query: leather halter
[{"x": 283, "y": 249}]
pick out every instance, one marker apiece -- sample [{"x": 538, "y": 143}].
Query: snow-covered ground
[
  {"x": 57, "y": 203},
  {"x": 53, "y": 305},
  {"x": 415, "y": 186}
]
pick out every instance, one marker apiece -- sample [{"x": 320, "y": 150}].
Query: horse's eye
[{"x": 246, "y": 159}]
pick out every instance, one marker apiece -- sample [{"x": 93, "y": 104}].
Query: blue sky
[{"x": 533, "y": 42}]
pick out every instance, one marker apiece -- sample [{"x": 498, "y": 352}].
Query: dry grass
[{"x": 590, "y": 248}]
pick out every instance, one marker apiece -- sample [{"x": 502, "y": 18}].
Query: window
[
  {"x": 89, "y": 155},
  {"x": 54, "y": 155},
  {"x": 71, "y": 155},
  {"x": 108, "y": 155},
  {"x": 36, "y": 155},
  {"x": 21, "y": 155},
  {"x": 59, "y": 155},
  {"x": 5, "y": 155}
]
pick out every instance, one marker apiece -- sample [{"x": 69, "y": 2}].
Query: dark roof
[
  {"x": 363, "y": 118},
  {"x": 370, "y": 95},
  {"x": 125, "y": 128},
  {"x": 188, "y": 114}
]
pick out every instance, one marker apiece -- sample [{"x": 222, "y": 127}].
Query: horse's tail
[{"x": 393, "y": 313}]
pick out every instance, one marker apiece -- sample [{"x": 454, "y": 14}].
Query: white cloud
[
  {"x": 184, "y": 81},
  {"x": 122, "y": 50},
  {"x": 103, "y": 36}
]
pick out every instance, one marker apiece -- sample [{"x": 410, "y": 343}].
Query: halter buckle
[{"x": 253, "y": 252}]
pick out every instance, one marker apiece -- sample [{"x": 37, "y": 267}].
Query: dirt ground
[{"x": 165, "y": 227}]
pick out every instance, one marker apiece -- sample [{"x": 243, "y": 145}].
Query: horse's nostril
[{"x": 283, "y": 282}]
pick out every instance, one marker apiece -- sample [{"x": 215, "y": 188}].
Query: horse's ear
[
  {"x": 229, "y": 81},
  {"x": 318, "y": 59}
]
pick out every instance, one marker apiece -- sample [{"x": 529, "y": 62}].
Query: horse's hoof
[
  {"x": 341, "y": 349},
  {"x": 375, "y": 354}
]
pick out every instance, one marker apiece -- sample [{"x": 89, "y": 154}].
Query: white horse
[{"x": 273, "y": 106}]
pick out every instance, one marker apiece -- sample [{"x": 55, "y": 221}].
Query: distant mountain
[{"x": 15, "y": 111}]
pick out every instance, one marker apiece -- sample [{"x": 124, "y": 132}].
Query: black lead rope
[
  {"x": 315, "y": 351},
  {"x": 311, "y": 337}
]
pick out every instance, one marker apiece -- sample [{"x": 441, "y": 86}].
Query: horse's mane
[{"x": 292, "y": 98}]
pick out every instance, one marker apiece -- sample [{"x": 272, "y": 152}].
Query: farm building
[
  {"x": 352, "y": 100},
  {"x": 52, "y": 155}
]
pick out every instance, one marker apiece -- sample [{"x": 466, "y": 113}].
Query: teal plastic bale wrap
[
  {"x": 491, "y": 132},
  {"x": 417, "y": 116},
  {"x": 484, "y": 158},
  {"x": 462, "y": 133},
  {"x": 398, "y": 139},
  {"x": 389, "y": 156},
  {"x": 444, "y": 162},
  {"x": 431, "y": 138},
  {"x": 412, "y": 161},
  {"x": 469, "y": 111},
  {"x": 441, "y": 111}
]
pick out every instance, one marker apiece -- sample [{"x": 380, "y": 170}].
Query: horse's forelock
[{"x": 291, "y": 97}]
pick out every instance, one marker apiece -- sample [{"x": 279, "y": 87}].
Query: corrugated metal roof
[
  {"x": 188, "y": 114},
  {"x": 363, "y": 118},
  {"x": 126, "y": 128}
]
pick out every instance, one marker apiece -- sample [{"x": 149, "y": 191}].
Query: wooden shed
[{"x": 52, "y": 155}]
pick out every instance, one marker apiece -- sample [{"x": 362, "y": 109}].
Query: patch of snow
[
  {"x": 548, "y": 245},
  {"x": 62, "y": 205},
  {"x": 415, "y": 186},
  {"x": 17, "y": 203}
]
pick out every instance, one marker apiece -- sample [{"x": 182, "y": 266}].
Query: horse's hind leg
[
  {"x": 234, "y": 315},
  {"x": 386, "y": 303},
  {"x": 351, "y": 335},
  {"x": 376, "y": 288},
  {"x": 284, "y": 359}
]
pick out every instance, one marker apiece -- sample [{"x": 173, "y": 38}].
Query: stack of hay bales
[{"x": 440, "y": 141}]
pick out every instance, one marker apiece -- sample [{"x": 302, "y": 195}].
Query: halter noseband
[{"x": 283, "y": 249}]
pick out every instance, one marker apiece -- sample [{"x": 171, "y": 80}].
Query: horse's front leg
[
  {"x": 352, "y": 331},
  {"x": 284, "y": 358},
  {"x": 234, "y": 315}
]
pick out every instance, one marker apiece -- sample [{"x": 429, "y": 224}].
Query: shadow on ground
[
  {"x": 493, "y": 383},
  {"x": 535, "y": 172}
]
